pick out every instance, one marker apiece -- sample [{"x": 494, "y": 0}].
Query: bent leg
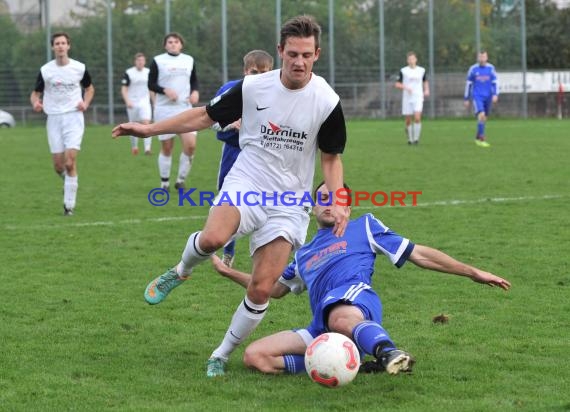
[{"x": 267, "y": 354}]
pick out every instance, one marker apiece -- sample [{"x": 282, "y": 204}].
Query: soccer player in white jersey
[
  {"x": 136, "y": 95},
  {"x": 174, "y": 80},
  {"x": 337, "y": 274},
  {"x": 287, "y": 115},
  {"x": 415, "y": 86},
  {"x": 64, "y": 91}
]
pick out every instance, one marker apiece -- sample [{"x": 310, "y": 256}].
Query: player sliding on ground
[{"x": 336, "y": 272}]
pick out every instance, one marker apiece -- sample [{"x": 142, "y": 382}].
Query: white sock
[
  {"x": 184, "y": 166},
  {"x": 147, "y": 142},
  {"x": 410, "y": 131},
  {"x": 164, "y": 165},
  {"x": 246, "y": 318},
  {"x": 134, "y": 142},
  {"x": 70, "y": 191},
  {"x": 192, "y": 255},
  {"x": 417, "y": 131}
]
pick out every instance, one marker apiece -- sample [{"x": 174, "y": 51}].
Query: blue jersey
[
  {"x": 230, "y": 137},
  {"x": 481, "y": 82},
  {"x": 328, "y": 262}
]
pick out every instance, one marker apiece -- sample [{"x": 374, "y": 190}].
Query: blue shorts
[
  {"x": 482, "y": 104},
  {"x": 360, "y": 295},
  {"x": 229, "y": 157}
]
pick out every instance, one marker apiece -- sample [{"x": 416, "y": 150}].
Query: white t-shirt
[
  {"x": 62, "y": 86},
  {"x": 137, "y": 82},
  {"x": 174, "y": 72},
  {"x": 281, "y": 130},
  {"x": 413, "y": 78}
]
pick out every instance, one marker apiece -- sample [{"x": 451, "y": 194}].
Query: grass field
[{"x": 76, "y": 334}]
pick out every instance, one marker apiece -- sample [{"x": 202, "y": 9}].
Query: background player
[
  {"x": 173, "y": 78},
  {"x": 135, "y": 93},
  {"x": 481, "y": 87},
  {"x": 336, "y": 272},
  {"x": 415, "y": 86},
  {"x": 254, "y": 62},
  {"x": 58, "y": 92},
  {"x": 287, "y": 116}
]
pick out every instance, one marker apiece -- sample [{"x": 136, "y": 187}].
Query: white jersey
[
  {"x": 414, "y": 79},
  {"x": 174, "y": 72},
  {"x": 281, "y": 130},
  {"x": 137, "y": 82},
  {"x": 62, "y": 86}
]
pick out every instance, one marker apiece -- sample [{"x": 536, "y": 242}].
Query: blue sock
[
  {"x": 294, "y": 363},
  {"x": 480, "y": 129},
  {"x": 230, "y": 248},
  {"x": 372, "y": 338}
]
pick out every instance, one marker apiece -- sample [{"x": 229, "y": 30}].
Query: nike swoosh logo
[{"x": 261, "y": 108}]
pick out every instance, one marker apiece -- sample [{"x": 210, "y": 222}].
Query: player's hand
[
  {"x": 341, "y": 215},
  {"x": 466, "y": 103},
  {"x": 81, "y": 106},
  {"x": 38, "y": 106},
  {"x": 490, "y": 279},
  {"x": 219, "y": 265},
  {"x": 426, "y": 93},
  {"x": 129, "y": 129},
  {"x": 130, "y": 105},
  {"x": 171, "y": 94},
  {"x": 495, "y": 99}
]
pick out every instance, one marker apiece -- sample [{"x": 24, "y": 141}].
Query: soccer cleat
[
  {"x": 135, "y": 151},
  {"x": 67, "y": 212},
  {"x": 228, "y": 260},
  {"x": 179, "y": 185},
  {"x": 215, "y": 367},
  {"x": 482, "y": 143},
  {"x": 165, "y": 186},
  {"x": 148, "y": 152},
  {"x": 159, "y": 288},
  {"x": 396, "y": 361}
]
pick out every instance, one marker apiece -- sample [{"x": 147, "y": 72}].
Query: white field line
[{"x": 196, "y": 217}]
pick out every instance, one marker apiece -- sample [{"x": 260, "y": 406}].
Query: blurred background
[{"x": 364, "y": 45}]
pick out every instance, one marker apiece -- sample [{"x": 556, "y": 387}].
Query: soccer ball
[{"x": 332, "y": 360}]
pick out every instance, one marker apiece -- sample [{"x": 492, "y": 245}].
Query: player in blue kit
[
  {"x": 336, "y": 272},
  {"x": 481, "y": 88},
  {"x": 254, "y": 62}
]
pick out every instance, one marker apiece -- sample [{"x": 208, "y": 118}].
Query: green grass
[{"x": 77, "y": 335}]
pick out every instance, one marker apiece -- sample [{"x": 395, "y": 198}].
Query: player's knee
[
  {"x": 259, "y": 292},
  {"x": 253, "y": 358},
  {"x": 212, "y": 241}
]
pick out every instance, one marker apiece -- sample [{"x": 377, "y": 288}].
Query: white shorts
[
  {"x": 140, "y": 111},
  {"x": 409, "y": 106},
  {"x": 65, "y": 131},
  {"x": 264, "y": 222},
  {"x": 166, "y": 112}
]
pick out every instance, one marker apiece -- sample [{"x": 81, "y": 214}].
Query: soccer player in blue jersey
[
  {"x": 481, "y": 88},
  {"x": 336, "y": 272},
  {"x": 254, "y": 62}
]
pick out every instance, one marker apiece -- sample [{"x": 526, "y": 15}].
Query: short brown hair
[
  {"x": 60, "y": 34},
  {"x": 301, "y": 26},
  {"x": 175, "y": 35},
  {"x": 257, "y": 58},
  {"x": 139, "y": 54},
  {"x": 411, "y": 53}
]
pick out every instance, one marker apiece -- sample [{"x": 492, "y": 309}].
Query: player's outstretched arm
[
  {"x": 279, "y": 290},
  {"x": 188, "y": 121},
  {"x": 433, "y": 259}
]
